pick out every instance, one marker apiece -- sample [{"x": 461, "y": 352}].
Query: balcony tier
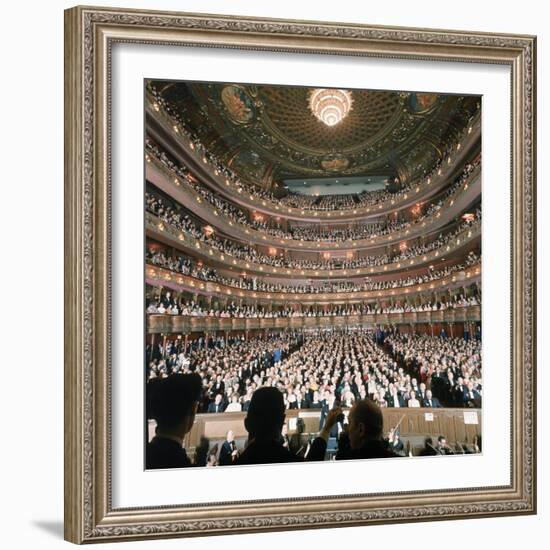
[
  {"x": 183, "y": 324},
  {"x": 157, "y": 276},
  {"x": 172, "y": 236},
  {"x": 162, "y": 128},
  {"x": 164, "y": 179}
]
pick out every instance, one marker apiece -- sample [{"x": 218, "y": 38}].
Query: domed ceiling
[{"x": 267, "y": 134}]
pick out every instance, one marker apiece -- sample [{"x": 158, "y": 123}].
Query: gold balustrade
[
  {"x": 183, "y": 193},
  {"x": 158, "y": 276},
  {"x": 458, "y": 425},
  {"x": 171, "y": 235},
  {"x": 186, "y": 324}
]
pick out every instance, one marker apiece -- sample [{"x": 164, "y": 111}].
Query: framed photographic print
[{"x": 300, "y": 283}]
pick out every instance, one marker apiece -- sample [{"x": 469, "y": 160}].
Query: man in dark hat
[
  {"x": 264, "y": 422},
  {"x": 173, "y": 403}
]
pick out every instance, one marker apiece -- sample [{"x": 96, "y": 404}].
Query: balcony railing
[
  {"x": 185, "y": 324},
  {"x": 245, "y": 198},
  {"x": 165, "y": 232},
  {"x": 161, "y": 176},
  {"x": 158, "y": 276}
]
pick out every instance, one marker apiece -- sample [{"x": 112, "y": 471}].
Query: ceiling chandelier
[{"x": 330, "y": 106}]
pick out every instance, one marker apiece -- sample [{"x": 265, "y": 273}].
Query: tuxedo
[
  {"x": 471, "y": 398},
  {"x": 261, "y": 451},
  {"x": 432, "y": 403},
  {"x": 438, "y": 386},
  {"x": 167, "y": 301},
  {"x": 449, "y": 390},
  {"x": 165, "y": 453},
  {"x": 458, "y": 396},
  {"x": 428, "y": 451},
  {"x": 324, "y": 412},
  {"x": 397, "y": 447},
  {"x": 308, "y": 395},
  {"x": 226, "y": 453},
  {"x": 421, "y": 396},
  {"x": 218, "y": 387},
  {"x": 395, "y": 401},
  {"x": 444, "y": 450},
  {"x": 213, "y": 408}
]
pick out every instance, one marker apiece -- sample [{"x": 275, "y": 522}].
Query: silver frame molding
[{"x": 89, "y": 35}]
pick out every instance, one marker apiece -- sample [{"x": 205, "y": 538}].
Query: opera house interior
[{"x": 323, "y": 243}]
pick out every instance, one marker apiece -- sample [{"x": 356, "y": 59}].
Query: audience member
[
  {"x": 364, "y": 433},
  {"x": 173, "y": 403},
  {"x": 228, "y": 452},
  {"x": 264, "y": 423}
]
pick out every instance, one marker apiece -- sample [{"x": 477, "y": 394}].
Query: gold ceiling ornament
[{"x": 330, "y": 106}]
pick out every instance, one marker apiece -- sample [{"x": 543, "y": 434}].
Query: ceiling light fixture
[{"x": 330, "y": 106}]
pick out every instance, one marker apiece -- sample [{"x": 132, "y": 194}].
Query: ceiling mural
[
  {"x": 335, "y": 163},
  {"x": 269, "y": 133},
  {"x": 238, "y": 104},
  {"x": 422, "y": 102}
]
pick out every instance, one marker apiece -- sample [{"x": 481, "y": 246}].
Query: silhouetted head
[
  {"x": 266, "y": 413},
  {"x": 365, "y": 423},
  {"x": 173, "y": 401}
]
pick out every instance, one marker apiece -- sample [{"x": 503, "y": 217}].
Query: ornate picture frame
[{"x": 90, "y": 34}]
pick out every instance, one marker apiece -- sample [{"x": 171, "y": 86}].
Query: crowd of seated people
[
  {"x": 309, "y": 233},
  {"x": 173, "y": 402},
  {"x": 335, "y": 202},
  {"x": 197, "y": 145},
  {"x": 170, "y": 305},
  {"x": 364, "y": 231},
  {"x": 357, "y": 231},
  {"x": 441, "y": 447},
  {"x": 324, "y": 371},
  {"x": 452, "y": 365},
  {"x": 329, "y": 203},
  {"x": 369, "y": 198},
  {"x": 315, "y": 370},
  {"x": 331, "y": 370},
  {"x": 187, "y": 266},
  {"x": 250, "y": 254},
  {"x": 326, "y": 203},
  {"x": 442, "y": 240},
  {"x": 181, "y": 220},
  {"x": 237, "y": 215}
]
